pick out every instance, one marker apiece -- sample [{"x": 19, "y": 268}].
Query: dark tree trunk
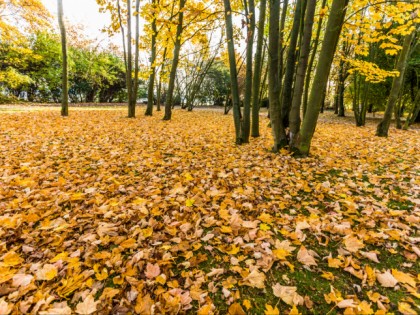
[
  {"x": 233, "y": 73},
  {"x": 383, "y": 127},
  {"x": 250, "y": 12},
  {"x": 279, "y": 134},
  {"x": 175, "y": 61},
  {"x": 312, "y": 60},
  {"x": 64, "y": 80},
  {"x": 255, "y": 132},
  {"x": 294, "y": 116},
  {"x": 326, "y": 56},
  {"x": 150, "y": 91},
  {"x": 287, "y": 91}
]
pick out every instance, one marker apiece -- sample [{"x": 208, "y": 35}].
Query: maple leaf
[
  {"x": 88, "y": 306},
  {"x": 152, "y": 271},
  {"x": 353, "y": 244},
  {"x": 21, "y": 280},
  {"x": 288, "y": 294},
  {"x": 269, "y": 310},
  {"x": 255, "y": 279},
  {"x": 406, "y": 309},
  {"x": 11, "y": 259},
  {"x": 404, "y": 278},
  {"x": 47, "y": 272},
  {"x": 5, "y": 308},
  {"x": 236, "y": 309},
  {"x": 306, "y": 257},
  {"x": 386, "y": 279},
  {"x": 58, "y": 309}
]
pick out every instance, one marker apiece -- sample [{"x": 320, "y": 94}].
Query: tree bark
[
  {"x": 255, "y": 128},
  {"x": 131, "y": 108},
  {"x": 250, "y": 12},
  {"x": 64, "y": 78},
  {"x": 150, "y": 91},
  {"x": 383, "y": 127},
  {"x": 294, "y": 116},
  {"x": 312, "y": 60},
  {"x": 233, "y": 73},
  {"x": 329, "y": 45},
  {"x": 287, "y": 91},
  {"x": 279, "y": 134},
  {"x": 175, "y": 61}
]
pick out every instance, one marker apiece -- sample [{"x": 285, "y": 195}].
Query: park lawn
[{"x": 100, "y": 213}]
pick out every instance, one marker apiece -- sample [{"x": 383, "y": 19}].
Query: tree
[
  {"x": 279, "y": 134},
  {"x": 152, "y": 77},
  {"x": 175, "y": 61},
  {"x": 329, "y": 45},
  {"x": 383, "y": 127},
  {"x": 233, "y": 73},
  {"x": 65, "y": 89},
  {"x": 294, "y": 115},
  {"x": 255, "y": 128}
]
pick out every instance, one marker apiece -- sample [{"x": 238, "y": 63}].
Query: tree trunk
[
  {"x": 287, "y": 91},
  {"x": 383, "y": 127},
  {"x": 255, "y": 128},
  {"x": 175, "y": 60},
  {"x": 312, "y": 60},
  {"x": 233, "y": 73},
  {"x": 250, "y": 12},
  {"x": 329, "y": 45},
  {"x": 279, "y": 134},
  {"x": 135, "y": 88},
  {"x": 150, "y": 91},
  {"x": 65, "y": 89},
  {"x": 294, "y": 116},
  {"x": 131, "y": 108}
]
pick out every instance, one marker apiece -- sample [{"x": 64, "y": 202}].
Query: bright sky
[{"x": 85, "y": 12}]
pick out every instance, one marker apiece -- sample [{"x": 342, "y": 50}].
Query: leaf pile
[{"x": 99, "y": 213}]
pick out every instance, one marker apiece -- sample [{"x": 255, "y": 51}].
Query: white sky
[{"x": 85, "y": 12}]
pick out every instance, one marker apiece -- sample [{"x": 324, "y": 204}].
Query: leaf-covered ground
[{"x": 99, "y": 213}]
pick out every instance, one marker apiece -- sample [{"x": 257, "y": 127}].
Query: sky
[{"x": 85, "y": 12}]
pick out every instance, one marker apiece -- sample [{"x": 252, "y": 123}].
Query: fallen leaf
[
  {"x": 88, "y": 306},
  {"x": 305, "y": 257}
]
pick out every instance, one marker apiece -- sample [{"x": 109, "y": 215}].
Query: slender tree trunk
[
  {"x": 294, "y": 116},
  {"x": 233, "y": 73},
  {"x": 64, "y": 78},
  {"x": 312, "y": 60},
  {"x": 131, "y": 108},
  {"x": 255, "y": 128},
  {"x": 282, "y": 41},
  {"x": 414, "y": 113},
  {"x": 329, "y": 45},
  {"x": 279, "y": 134},
  {"x": 287, "y": 91},
  {"x": 383, "y": 127},
  {"x": 175, "y": 61},
  {"x": 250, "y": 12},
  {"x": 150, "y": 91},
  {"x": 135, "y": 88}
]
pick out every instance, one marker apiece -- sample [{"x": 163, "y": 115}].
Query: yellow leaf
[
  {"x": 404, "y": 277},
  {"x": 294, "y": 311},
  {"x": 205, "y": 310},
  {"x": 189, "y": 202},
  {"x": 247, "y": 304},
  {"x": 129, "y": 243},
  {"x": 406, "y": 309},
  {"x": 12, "y": 259},
  {"x": 236, "y": 309},
  {"x": 269, "y": 310},
  {"x": 48, "y": 272},
  {"x": 226, "y": 229},
  {"x": 264, "y": 227}
]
